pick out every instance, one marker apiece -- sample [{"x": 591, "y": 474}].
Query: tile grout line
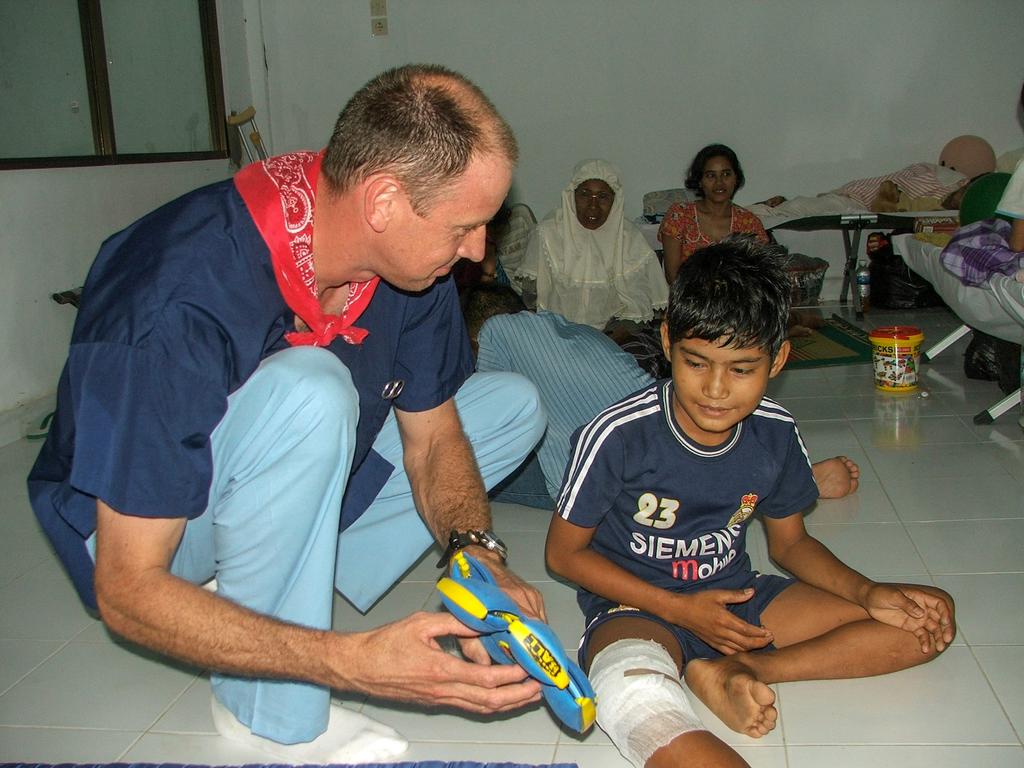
[
  {"x": 995, "y": 694},
  {"x": 13, "y": 685}
]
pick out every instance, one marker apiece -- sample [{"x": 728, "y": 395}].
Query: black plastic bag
[
  {"x": 893, "y": 284},
  {"x": 991, "y": 359},
  {"x": 980, "y": 358},
  {"x": 1008, "y": 356}
]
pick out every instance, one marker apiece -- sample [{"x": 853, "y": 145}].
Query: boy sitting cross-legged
[{"x": 651, "y": 524}]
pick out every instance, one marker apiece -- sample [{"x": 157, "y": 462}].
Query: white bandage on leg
[{"x": 641, "y": 703}]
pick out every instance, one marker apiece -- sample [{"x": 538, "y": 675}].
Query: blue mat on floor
[{"x": 423, "y": 764}]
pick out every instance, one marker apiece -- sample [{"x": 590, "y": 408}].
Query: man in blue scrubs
[{"x": 269, "y": 361}]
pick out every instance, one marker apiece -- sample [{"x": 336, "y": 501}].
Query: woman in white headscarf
[{"x": 586, "y": 261}]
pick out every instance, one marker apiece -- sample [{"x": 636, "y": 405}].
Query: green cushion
[{"x": 982, "y": 197}]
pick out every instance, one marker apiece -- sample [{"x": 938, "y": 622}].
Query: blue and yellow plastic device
[{"x": 474, "y": 598}]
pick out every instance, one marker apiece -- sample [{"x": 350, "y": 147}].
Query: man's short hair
[
  {"x": 736, "y": 291},
  {"x": 482, "y": 302},
  {"x": 421, "y": 122}
]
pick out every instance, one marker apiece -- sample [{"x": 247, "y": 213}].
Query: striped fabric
[
  {"x": 639, "y": 406},
  {"x": 917, "y": 180},
  {"x": 770, "y": 409},
  {"x": 578, "y": 371}
]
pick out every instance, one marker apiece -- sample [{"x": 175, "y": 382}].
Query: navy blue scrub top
[{"x": 177, "y": 312}]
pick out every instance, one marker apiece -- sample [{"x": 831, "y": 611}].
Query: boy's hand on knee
[
  {"x": 705, "y": 614},
  {"x": 926, "y": 613}
]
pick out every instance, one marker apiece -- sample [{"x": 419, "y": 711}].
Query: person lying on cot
[{"x": 916, "y": 187}]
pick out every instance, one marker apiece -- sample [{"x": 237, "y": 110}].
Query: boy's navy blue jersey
[{"x": 674, "y": 512}]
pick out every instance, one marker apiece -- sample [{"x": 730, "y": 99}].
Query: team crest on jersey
[
  {"x": 747, "y": 503},
  {"x": 620, "y": 607}
]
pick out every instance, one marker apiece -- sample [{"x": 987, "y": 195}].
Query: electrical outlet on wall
[{"x": 379, "y": 18}]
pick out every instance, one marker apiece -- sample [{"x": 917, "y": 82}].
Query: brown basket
[{"x": 807, "y": 275}]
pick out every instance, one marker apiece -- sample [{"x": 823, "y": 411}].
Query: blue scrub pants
[{"x": 282, "y": 456}]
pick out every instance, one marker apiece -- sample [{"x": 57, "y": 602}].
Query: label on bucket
[{"x": 896, "y": 355}]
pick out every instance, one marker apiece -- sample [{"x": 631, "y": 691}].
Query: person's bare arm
[
  {"x": 1017, "y": 235},
  {"x": 924, "y": 612},
  {"x": 142, "y": 601},
  {"x": 952, "y": 201},
  {"x": 449, "y": 492},
  {"x": 809, "y": 560},
  {"x": 569, "y": 554},
  {"x": 673, "y": 258}
]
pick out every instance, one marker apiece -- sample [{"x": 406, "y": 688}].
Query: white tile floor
[{"x": 941, "y": 501}]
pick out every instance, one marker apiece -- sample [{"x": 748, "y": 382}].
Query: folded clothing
[{"x": 981, "y": 250}]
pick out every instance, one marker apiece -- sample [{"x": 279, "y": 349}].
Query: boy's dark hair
[
  {"x": 422, "y": 122},
  {"x": 696, "y": 171},
  {"x": 736, "y": 290},
  {"x": 482, "y": 302}
]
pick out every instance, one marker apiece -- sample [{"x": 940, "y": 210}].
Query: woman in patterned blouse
[{"x": 715, "y": 175}]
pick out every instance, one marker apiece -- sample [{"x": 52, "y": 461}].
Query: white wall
[
  {"x": 809, "y": 93},
  {"x": 52, "y": 222}
]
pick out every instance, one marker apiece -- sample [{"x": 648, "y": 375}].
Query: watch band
[{"x": 461, "y": 539}]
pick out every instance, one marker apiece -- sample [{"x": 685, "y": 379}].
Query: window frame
[{"x": 101, "y": 110}]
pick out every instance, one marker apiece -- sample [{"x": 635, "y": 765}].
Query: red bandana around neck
[{"x": 280, "y": 194}]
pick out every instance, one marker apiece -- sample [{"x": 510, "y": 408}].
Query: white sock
[{"x": 350, "y": 738}]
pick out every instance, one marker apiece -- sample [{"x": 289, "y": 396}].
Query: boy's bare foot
[
  {"x": 729, "y": 689},
  {"x": 836, "y": 477}
]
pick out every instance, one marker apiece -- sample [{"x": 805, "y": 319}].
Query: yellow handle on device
[
  {"x": 462, "y": 597},
  {"x": 539, "y": 651}
]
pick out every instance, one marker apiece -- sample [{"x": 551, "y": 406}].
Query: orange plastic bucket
[{"x": 896, "y": 352}]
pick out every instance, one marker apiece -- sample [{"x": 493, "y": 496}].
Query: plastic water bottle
[{"x": 863, "y": 276}]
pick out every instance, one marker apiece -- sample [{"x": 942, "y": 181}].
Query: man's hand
[
  {"x": 404, "y": 662},
  {"x": 926, "y": 613},
  {"x": 704, "y": 614},
  {"x": 435, "y": 447},
  {"x": 525, "y": 596}
]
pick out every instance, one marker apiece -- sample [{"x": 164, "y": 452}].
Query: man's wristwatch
[{"x": 461, "y": 539}]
